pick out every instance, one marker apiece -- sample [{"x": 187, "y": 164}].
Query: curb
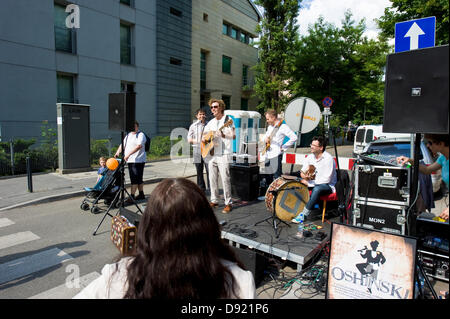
[{"x": 57, "y": 197}]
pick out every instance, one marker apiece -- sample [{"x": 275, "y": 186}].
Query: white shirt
[
  {"x": 222, "y": 146},
  {"x": 113, "y": 284},
  {"x": 195, "y": 133},
  {"x": 325, "y": 170},
  {"x": 276, "y": 144},
  {"x": 130, "y": 142}
]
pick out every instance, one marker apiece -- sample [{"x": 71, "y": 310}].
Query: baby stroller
[{"x": 106, "y": 188}]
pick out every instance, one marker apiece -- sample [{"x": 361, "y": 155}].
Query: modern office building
[
  {"x": 223, "y": 53},
  {"x": 155, "y": 48}
]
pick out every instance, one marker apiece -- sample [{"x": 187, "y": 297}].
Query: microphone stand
[
  {"x": 275, "y": 219},
  {"x": 119, "y": 199}
]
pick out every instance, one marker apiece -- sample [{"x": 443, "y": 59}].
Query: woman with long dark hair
[{"x": 179, "y": 253}]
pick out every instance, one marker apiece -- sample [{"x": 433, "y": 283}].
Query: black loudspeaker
[
  {"x": 416, "y": 91},
  {"x": 252, "y": 261},
  {"x": 244, "y": 181},
  {"x": 122, "y": 111}
]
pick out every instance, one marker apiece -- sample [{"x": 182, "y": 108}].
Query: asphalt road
[
  {"x": 45, "y": 248},
  {"x": 42, "y": 234}
]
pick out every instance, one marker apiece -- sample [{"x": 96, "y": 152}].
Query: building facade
[
  {"x": 223, "y": 32},
  {"x": 154, "y": 48}
]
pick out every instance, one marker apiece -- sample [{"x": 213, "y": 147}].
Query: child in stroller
[{"x": 106, "y": 188}]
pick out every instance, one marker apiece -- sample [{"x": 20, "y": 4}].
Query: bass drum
[{"x": 286, "y": 198}]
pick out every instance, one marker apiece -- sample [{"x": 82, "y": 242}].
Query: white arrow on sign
[{"x": 413, "y": 34}]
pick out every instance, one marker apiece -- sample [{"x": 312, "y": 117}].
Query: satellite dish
[{"x": 311, "y": 114}]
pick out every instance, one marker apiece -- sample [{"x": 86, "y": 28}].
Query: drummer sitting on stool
[{"x": 323, "y": 179}]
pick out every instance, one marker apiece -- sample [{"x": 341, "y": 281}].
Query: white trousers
[{"x": 220, "y": 165}]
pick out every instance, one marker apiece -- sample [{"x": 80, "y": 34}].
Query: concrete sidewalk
[{"x": 54, "y": 186}]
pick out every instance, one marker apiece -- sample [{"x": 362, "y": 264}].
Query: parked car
[
  {"x": 402, "y": 146},
  {"x": 368, "y": 133}
]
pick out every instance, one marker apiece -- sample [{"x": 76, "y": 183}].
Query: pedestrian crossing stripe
[
  {"x": 5, "y": 222},
  {"x": 17, "y": 239},
  {"x": 67, "y": 291},
  {"x": 21, "y": 267}
]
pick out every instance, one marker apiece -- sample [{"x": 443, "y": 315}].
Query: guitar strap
[{"x": 275, "y": 130}]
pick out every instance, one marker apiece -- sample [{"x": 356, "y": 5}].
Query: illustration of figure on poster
[{"x": 373, "y": 260}]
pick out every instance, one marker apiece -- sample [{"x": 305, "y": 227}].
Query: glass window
[
  {"x": 234, "y": 33},
  {"x": 175, "y": 61},
  {"x": 244, "y": 75},
  {"x": 369, "y": 135},
  {"x": 225, "y": 29},
  {"x": 203, "y": 70},
  {"x": 227, "y": 100},
  {"x": 243, "y": 37},
  {"x": 127, "y": 2},
  {"x": 176, "y": 12},
  {"x": 63, "y": 35},
  {"x": 244, "y": 104},
  {"x": 226, "y": 64},
  {"x": 125, "y": 44},
  {"x": 64, "y": 88},
  {"x": 360, "y": 135},
  {"x": 126, "y": 87}
]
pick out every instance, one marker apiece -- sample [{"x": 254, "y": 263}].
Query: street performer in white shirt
[
  {"x": 275, "y": 135},
  {"x": 319, "y": 174},
  {"x": 223, "y": 130},
  {"x": 195, "y": 138}
]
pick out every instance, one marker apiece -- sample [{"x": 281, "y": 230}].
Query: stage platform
[{"x": 240, "y": 230}]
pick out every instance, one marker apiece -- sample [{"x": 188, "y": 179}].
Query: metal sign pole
[{"x": 299, "y": 132}]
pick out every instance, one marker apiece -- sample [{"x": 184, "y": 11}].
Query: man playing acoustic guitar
[
  {"x": 274, "y": 138},
  {"x": 220, "y": 131},
  {"x": 323, "y": 180}
]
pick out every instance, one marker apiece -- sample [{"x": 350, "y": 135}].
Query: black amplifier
[
  {"x": 432, "y": 247},
  {"x": 380, "y": 216},
  {"x": 244, "y": 181},
  {"x": 383, "y": 184},
  {"x": 434, "y": 265},
  {"x": 245, "y": 160}
]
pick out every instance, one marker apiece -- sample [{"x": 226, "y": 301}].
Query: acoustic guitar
[
  {"x": 207, "y": 146},
  {"x": 311, "y": 172},
  {"x": 272, "y": 134}
]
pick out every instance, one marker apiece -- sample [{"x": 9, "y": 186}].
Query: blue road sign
[
  {"x": 415, "y": 34},
  {"x": 327, "y": 101}
]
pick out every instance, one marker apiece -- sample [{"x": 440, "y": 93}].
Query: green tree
[
  {"x": 404, "y": 10},
  {"x": 277, "y": 45},
  {"x": 345, "y": 65}
]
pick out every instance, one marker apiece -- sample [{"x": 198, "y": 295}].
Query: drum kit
[{"x": 285, "y": 198}]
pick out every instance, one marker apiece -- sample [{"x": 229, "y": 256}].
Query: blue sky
[{"x": 333, "y": 12}]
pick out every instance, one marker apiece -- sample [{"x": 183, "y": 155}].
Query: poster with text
[{"x": 369, "y": 264}]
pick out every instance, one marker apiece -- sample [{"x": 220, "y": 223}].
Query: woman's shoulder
[{"x": 243, "y": 278}]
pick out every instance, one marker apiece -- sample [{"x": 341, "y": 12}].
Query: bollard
[
  {"x": 11, "y": 146},
  {"x": 29, "y": 175}
]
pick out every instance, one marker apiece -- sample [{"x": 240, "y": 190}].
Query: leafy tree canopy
[{"x": 404, "y": 10}]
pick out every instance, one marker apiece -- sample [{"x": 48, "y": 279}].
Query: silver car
[{"x": 402, "y": 146}]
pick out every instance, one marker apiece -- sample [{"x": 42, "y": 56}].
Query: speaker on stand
[
  {"x": 122, "y": 111},
  {"x": 416, "y": 100},
  {"x": 416, "y": 91}
]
